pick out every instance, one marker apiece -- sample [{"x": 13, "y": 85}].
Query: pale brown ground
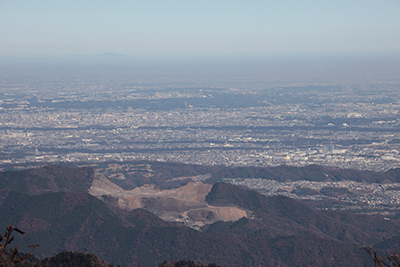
[{"x": 186, "y": 204}]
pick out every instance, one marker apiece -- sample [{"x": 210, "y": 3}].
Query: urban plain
[{"x": 233, "y": 122}]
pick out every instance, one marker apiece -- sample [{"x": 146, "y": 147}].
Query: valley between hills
[{"x": 143, "y": 213}]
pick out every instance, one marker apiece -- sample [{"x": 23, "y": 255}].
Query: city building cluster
[{"x": 92, "y": 120}]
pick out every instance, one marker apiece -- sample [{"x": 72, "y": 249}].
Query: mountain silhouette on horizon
[{"x": 110, "y": 55}]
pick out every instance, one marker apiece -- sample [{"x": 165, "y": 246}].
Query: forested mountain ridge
[
  {"x": 52, "y": 178},
  {"x": 278, "y": 231},
  {"x": 80, "y": 222},
  {"x": 166, "y": 175}
]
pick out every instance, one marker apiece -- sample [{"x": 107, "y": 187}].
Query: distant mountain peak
[{"x": 109, "y": 54}]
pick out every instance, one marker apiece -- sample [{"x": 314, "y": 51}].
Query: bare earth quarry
[{"x": 186, "y": 204}]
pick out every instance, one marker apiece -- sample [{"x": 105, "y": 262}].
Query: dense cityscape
[{"x": 202, "y": 122}]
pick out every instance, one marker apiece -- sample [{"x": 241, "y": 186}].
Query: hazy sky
[{"x": 197, "y": 28}]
